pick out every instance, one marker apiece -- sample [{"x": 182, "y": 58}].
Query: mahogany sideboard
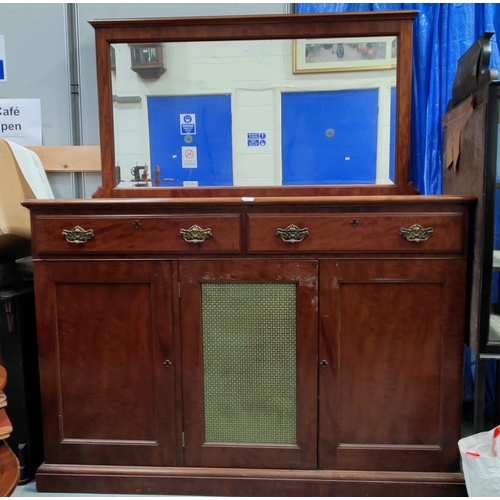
[{"x": 353, "y": 309}]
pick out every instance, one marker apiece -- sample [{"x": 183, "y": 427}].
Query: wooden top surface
[
  {"x": 268, "y": 18},
  {"x": 272, "y": 201}
]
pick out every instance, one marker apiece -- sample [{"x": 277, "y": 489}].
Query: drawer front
[
  {"x": 202, "y": 233},
  {"x": 356, "y": 232}
]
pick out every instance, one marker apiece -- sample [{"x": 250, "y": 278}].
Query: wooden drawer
[
  {"x": 123, "y": 234},
  {"x": 373, "y": 232}
]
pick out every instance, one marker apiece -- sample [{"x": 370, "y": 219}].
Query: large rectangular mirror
[{"x": 268, "y": 105}]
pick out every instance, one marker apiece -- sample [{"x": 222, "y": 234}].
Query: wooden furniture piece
[
  {"x": 378, "y": 322},
  {"x": 471, "y": 167},
  {"x": 277, "y": 340},
  {"x": 9, "y": 470},
  {"x": 254, "y": 39},
  {"x": 9, "y": 465}
]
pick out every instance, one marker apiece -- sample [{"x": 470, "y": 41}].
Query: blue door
[
  {"x": 329, "y": 137},
  {"x": 190, "y": 139}
]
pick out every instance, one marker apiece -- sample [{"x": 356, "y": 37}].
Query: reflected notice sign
[
  {"x": 188, "y": 124},
  {"x": 256, "y": 139}
]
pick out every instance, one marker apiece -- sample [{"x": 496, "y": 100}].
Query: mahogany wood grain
[
  {"x": 175, "y": 287},
  {"x": 391, "y": 329},
  {"x": 392, "y": 335},
  {"x": 469, "y": 178},
  {"x": 248, "y": 482},
  {"x": 254, "y": 192},
  {"x": 116, "y": 234},
  {"x": 139, "y": 233},
  {"x": 116, "y": 205},
  {"x": 304, "y": 275},
  {"x": 356, "y": 231},
  {"x": 106, "y": 330}
]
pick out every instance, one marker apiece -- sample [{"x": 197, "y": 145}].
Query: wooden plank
[
  {"x": 244, "y": 482},
  {"x": 69, "y": 158}
]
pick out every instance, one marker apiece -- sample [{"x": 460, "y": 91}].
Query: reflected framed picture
[{"x": 325, "y": 55}]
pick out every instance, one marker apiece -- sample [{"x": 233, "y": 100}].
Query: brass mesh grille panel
[{"x": 249, "y": 362}]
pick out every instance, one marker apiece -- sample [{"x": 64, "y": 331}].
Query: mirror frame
[{"x": 288, "y": 26}]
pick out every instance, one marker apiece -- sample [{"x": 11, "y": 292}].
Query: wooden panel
[
  {"x": 396, "y": 331},
  {"x": 392, "y": 335},
  {"x": 303, "y": 274},
  {"x": 469, "y": 178},
  {"x": 69, "y": 158},
  {"x": 138, "y": 234},
  {"x": 248, "y": 482},
  {"x": 90, "y": 377},
  {"x": 104, "y": 332},
  {"x": 356, "y": 232}
]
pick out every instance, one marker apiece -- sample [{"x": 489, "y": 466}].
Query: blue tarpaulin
[{"x": 441, "y": 34}]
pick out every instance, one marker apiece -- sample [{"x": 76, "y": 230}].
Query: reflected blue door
[
  {"x": 190, "y": 139},
  {"x": 329, "y": 137}
]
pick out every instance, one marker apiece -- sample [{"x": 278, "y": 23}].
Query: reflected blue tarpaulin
[{"x": 441, "y": 34}]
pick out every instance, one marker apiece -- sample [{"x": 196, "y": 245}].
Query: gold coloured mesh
[{"x": 249, "y": 362}]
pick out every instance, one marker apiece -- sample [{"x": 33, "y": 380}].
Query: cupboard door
[
  {"x": 392, "y": 335},
  {"x": 104, "y": 334},
  {"x": 249, "y": 348}
]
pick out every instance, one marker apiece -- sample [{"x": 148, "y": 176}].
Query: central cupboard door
[{"x": 249, "y": 363}]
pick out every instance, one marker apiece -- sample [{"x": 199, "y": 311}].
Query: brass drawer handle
[
  {"x": 292, "y": 234},
  {"x": 195, "y": 234},
  {"x": 416, "y": 233},
  {"x": 78, "y": 235}
]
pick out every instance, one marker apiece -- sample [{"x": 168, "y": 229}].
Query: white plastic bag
[{"x": 481, "y": 463}]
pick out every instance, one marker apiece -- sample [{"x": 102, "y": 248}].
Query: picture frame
[{"x": 326, "y": 55}]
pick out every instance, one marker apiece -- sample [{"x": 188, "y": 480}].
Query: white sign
[
  {"x": 189, "y": 157},
  {"x": 256, "y": 139},
  {"x": 3, "y": 69},
  {"x": 21, "y": 121},
  {"x": 188, "y": 124}
]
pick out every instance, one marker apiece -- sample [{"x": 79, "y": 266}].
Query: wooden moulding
[
  {"x": 244, "y": 482},
  {"x": 229, "y": 28},
  {"x": 69, "y": 158}
]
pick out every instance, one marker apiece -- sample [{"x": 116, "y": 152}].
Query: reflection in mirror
[
  {"x": 255, "y": 113},
  {"x": 494, "y": 330}
]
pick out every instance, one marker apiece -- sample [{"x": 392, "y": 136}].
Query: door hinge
[
  {"x": 183, "y": 441},
  {"x": 179, "y": 289}
]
